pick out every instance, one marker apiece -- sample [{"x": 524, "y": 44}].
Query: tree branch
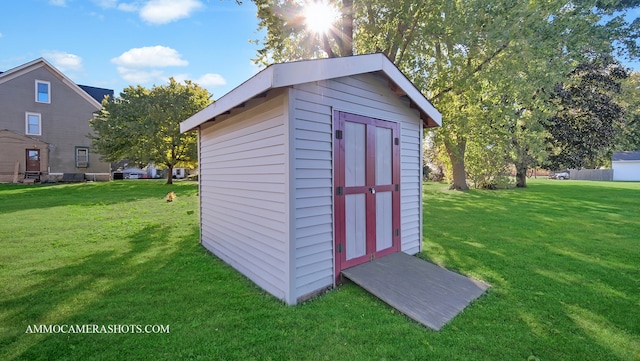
[
  {"x": 409, "y": 37},
  {"x": 476, "y": 69}
]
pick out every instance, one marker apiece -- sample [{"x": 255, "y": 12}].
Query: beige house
[
  {"x": 44, "y": 125},
  {"x": 310, "y": 168}
]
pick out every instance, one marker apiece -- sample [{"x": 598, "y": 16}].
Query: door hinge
[
  {"x": 397, "y": 232},
  {"x": 396, "y": 141},
  {"x": 397, "y": 187},
  {"x": 339, "y": 247},
  {"x": 338, "y": 134},
  {"x": 339, "y": 191}
]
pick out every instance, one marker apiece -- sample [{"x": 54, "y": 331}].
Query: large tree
[
  {"x": 488, "y": 66},
  {"x": 628, "y": 130},
  {"x": 465, "y": 55},
  {"x": 143, "y": 125},
  {"x": 583, "y": 131},
  {"x": 289, "y": 38}
]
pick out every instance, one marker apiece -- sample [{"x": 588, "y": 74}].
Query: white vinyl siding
[
  {"x": 313, "y": 164},
  {"x": 411, "y": 186},
  {"x": 367, "y": 95},
  {"x": 626, "y": 170},
  {"x": 243, "y": 175},
  {"x": 266, "y": 181}
]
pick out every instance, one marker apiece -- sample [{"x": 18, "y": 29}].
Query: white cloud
[
  {"x": 155, "y": 12},
  {"x": 145, "y": 65},
  {"x": 63, "y": 61},
  {"x": 141, "y": 76},
  {"x": 150, "y": 57},
  {"x": 206, "y": 81},
  {"x": 128, "y": 7},
  {"x": 210, "y": 80},
  {"x": 165, "y": 11}
]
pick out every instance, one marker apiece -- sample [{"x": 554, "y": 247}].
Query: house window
[
  {"x": 43, "y": 91},
  {"x": 33, "y": 124},
  {"x": 82, "y": 157}
]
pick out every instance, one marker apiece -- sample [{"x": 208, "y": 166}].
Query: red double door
[{"x": 367, "y": 194}]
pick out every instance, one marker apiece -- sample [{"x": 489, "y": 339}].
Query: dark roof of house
[
  {"x": 97, "y": 93},
  {"x": 622, "y": 156}
]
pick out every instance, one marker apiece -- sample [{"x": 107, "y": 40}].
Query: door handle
[{"x": 372, "y": 190}]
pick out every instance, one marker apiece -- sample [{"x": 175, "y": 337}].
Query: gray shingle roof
[
  {"x": 97, "y": 93},
  {"x": 622, "y": 156}
]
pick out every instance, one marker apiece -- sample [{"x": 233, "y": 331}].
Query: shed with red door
[{"x": 312, "y": 167}]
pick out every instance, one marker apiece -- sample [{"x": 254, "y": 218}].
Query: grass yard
[{"x": 563, "y": 259}]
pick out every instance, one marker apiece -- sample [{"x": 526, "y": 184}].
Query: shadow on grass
[
  {"x": 557, "y": 294},
  {"x": 118, "y": 286},
  {"x": 213, "y": 312},
  {"x": 15, "y": 198},
  {"x": 561, "y": 258}
]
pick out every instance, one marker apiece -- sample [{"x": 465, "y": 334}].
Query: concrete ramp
[{"x": 426, "y": 293}]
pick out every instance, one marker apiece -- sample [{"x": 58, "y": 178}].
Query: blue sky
[{"x": 116, "y": 43}]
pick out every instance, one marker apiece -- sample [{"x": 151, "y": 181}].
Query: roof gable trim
[
  {"x": 41, "y": 62},
  {"x": 6, "y": 133},
  {"x": 307, "y": 71}
]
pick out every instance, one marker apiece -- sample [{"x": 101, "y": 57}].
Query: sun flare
[{"x": 320, "y": 16}]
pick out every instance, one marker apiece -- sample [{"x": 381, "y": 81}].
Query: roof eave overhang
[
  {"x": 23, "y": 137},
  {"x": 289, "y": 74}
]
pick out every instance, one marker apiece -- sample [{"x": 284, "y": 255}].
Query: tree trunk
[
  {"x": 347, "y": 28},
  {"x": 521, "y": 176},
  {"x": 326, "y": 46},
  {"x": 456, "y": 155},
  {"x": 170, "y": 175}
]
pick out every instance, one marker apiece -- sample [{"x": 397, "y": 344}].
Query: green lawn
[{"x": 563, "y": 259}]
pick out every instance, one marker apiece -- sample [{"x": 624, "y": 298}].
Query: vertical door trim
[
  {"x": 338, "y": 194},
  {"x": 340, "y": 191}
]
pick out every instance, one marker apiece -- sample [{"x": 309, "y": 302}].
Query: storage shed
[
  {"x": 626, "y": 166},
  {"x": 312, "y": 167}
]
